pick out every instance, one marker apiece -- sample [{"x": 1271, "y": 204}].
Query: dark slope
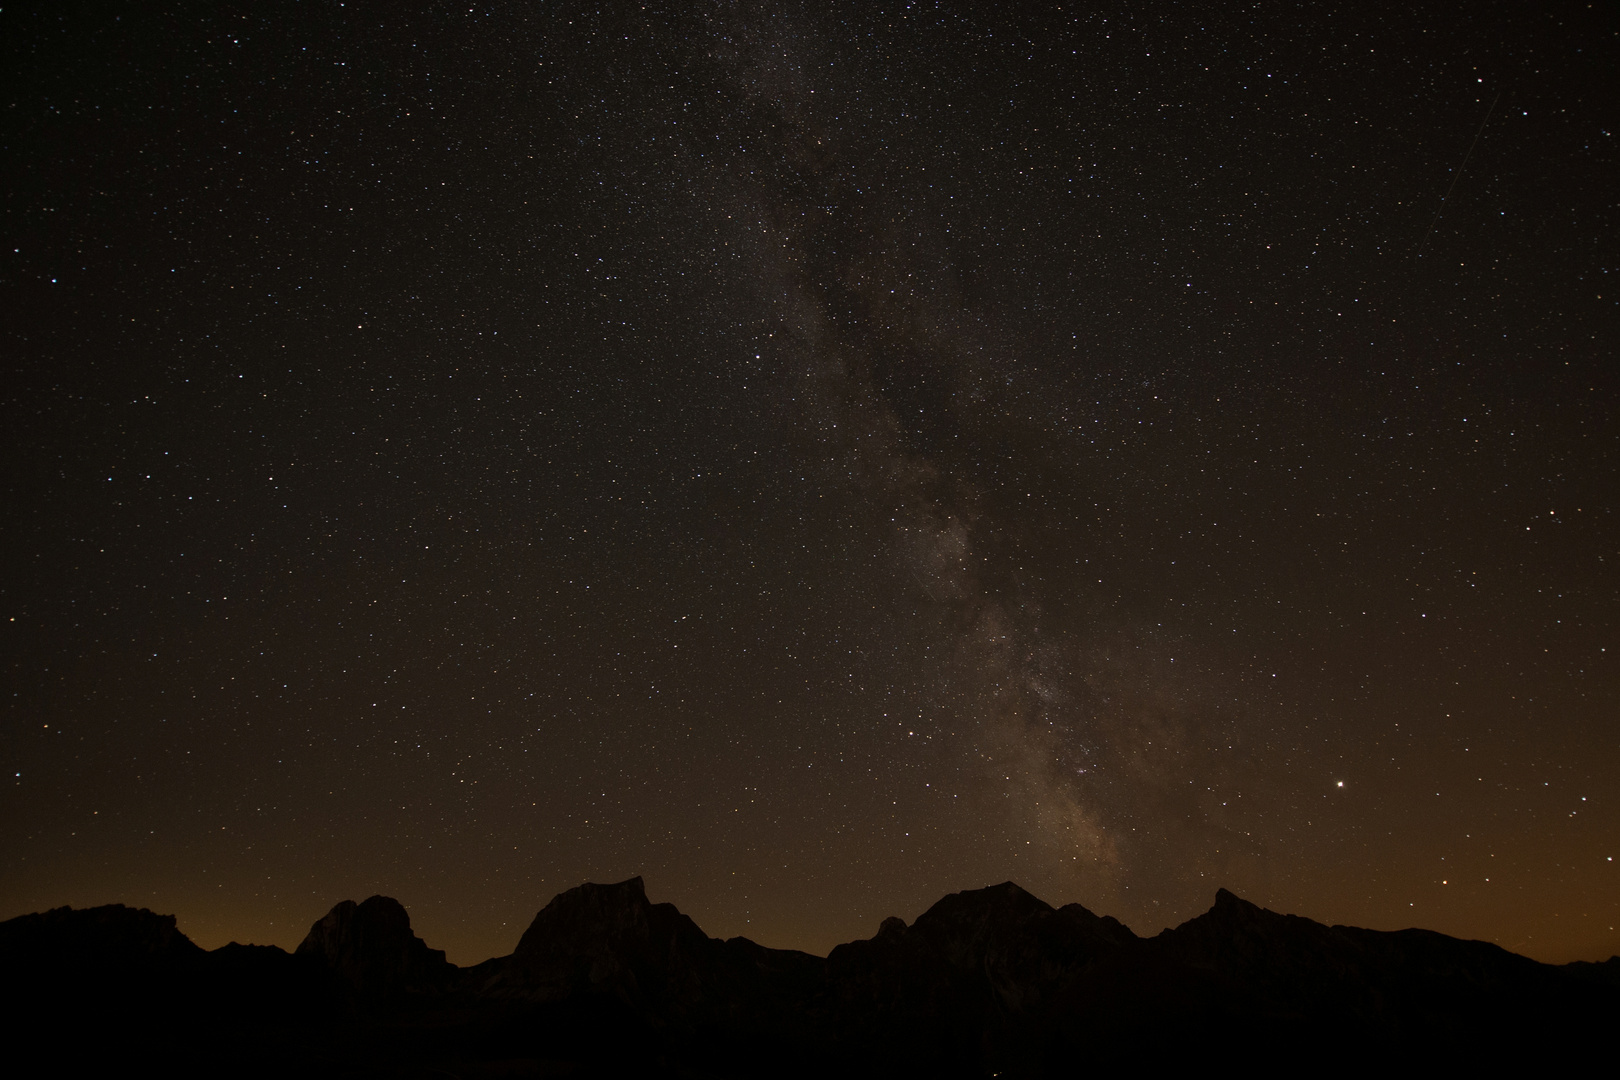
[
  {"x": 604, "y": 982},
  {"x": 102, "y": 943},
  {"x": 1243, "y": 983},
  {"x": 108, "y": 987}
]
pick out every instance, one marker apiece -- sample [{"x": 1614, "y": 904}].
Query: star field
[{"x": 818, "y": 458}]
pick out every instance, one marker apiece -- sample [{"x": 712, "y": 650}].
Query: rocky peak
[
  {"x": 370, "y": 945},
  {"x": 1232, "y": 919},
  {"x": 964, "y": 928},
  {"x": 982, "y": 910},
  {"x": 609, "y": 937},
  {"x": 590, "y": 911}
]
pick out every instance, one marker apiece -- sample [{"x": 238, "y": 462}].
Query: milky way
[{"x": 815, "y": 458}]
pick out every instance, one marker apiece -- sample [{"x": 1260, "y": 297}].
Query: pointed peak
[
  {"x": 1229, "y": 906},
  {"x": 1228, "y": 913}
]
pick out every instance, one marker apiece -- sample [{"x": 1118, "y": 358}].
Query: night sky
[{"x": 816, "y": 457}]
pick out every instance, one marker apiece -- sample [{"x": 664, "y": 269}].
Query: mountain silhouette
[
  {"x": 987, "y": 982},
  {"x": 371, "y": 949}
]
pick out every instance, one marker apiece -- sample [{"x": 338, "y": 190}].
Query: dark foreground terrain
[{"x": 989, "y": 982}]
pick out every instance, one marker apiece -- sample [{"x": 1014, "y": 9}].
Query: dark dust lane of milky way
[{"x": 818, "y": 457}]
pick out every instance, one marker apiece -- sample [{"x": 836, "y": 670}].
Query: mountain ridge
[{"x": 986, "y": 981}]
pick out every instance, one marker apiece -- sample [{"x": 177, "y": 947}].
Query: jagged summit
[
  {"x": 610, "y": 941},
  {"x": 604, "y": 981},
  {"x": 599, "y": 924},
  {"x": 371, "y": 946}
]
